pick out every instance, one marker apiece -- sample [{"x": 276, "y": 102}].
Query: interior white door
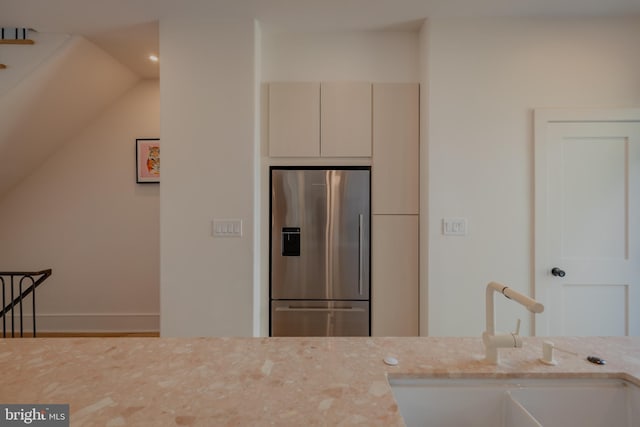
[{"x": 587, "y": 226}]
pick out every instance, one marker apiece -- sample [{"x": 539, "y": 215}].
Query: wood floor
[{"x": 87, "y": 334}]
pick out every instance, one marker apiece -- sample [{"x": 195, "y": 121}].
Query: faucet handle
[
  {"x": 517, "y": 340},
  {"x": 517, "y": 331}
]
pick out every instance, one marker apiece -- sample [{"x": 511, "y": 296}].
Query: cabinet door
[
  {"x": 345, "y": 119},
  {"x": 394, "y": 275},
  {"x": 294, "y": 119},
  {"x": 395, "y": 171}
]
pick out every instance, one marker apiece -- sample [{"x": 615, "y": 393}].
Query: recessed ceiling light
[{"x": 154, "y": 58}]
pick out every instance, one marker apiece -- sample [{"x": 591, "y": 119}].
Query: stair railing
[{"x": 16, "y": 286}]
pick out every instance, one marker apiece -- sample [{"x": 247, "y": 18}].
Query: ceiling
[{"x": 128, "y": 29}]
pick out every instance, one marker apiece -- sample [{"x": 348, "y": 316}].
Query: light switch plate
[
  {"x": 454, "y": 226},
  {"x": 226, "y": 228}
]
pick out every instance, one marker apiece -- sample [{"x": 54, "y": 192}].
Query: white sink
[{"x": 517, "y": 402}]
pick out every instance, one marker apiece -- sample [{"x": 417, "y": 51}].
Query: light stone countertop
[{"x": 268, "y": 381}]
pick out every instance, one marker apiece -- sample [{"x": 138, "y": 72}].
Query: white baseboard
[{"x": 93, "y": 322}]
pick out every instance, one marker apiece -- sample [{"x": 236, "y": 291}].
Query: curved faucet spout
[
  {"x": 492, "y": 342},
  {"x": 529, "y": 303}
]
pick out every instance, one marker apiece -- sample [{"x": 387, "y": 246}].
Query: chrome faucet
[{"x": 493, "y": 342}]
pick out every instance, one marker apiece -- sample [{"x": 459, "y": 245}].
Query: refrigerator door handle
[
  {"x": 360, "y": 252},
  {"x": 320, "y": 309}
]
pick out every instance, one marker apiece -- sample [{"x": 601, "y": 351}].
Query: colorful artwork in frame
[{"x": 147, "y": 160}]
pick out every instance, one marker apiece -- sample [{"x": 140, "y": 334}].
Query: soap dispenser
[{"x": 547, "y": 353}]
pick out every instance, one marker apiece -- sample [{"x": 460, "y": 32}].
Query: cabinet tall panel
[
  {"x": 396, "y": 155},
  {"x": 394, "y": 292}
]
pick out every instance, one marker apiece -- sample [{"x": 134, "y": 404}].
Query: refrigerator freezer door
[
  {"x": 319, "y": 318},
  {"x": 331, "y": 210}
]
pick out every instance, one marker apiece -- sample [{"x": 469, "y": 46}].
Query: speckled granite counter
[{"x": 266, "y": 381}]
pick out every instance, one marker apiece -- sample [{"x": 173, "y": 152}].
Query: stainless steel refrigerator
[{"x": 320, "y": 251}]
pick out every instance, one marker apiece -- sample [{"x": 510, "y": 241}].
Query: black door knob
[{"x": 557, "y": 272}]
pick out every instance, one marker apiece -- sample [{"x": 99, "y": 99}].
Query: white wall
[
  {"x": 70, "y": 86},
  {"x": 260, "y": 291},
  {"x": 423, "y": 294},
  {"x": 208, "y": 96},
  {"x": 377, "y": 56},
  {"x": 211, "y": 146},
  {"x": 485, "y": 77},
  {"x": 82, "y": 214},
  {"x": 22, "y": 60}
]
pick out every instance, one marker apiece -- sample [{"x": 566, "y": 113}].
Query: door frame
[{"x": 543, "y": 117}]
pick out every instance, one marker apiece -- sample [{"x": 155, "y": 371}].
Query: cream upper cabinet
[
  {"x": 394, "y": 275},
  {"x": 345, "y": 119},
  {"x": 320, "y": 120},
  {"x": 294, "y": 119},
  {"x": 396, "y": 153}
]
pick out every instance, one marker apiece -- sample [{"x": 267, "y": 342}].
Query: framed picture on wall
[{"x": 147, "y": 160}]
